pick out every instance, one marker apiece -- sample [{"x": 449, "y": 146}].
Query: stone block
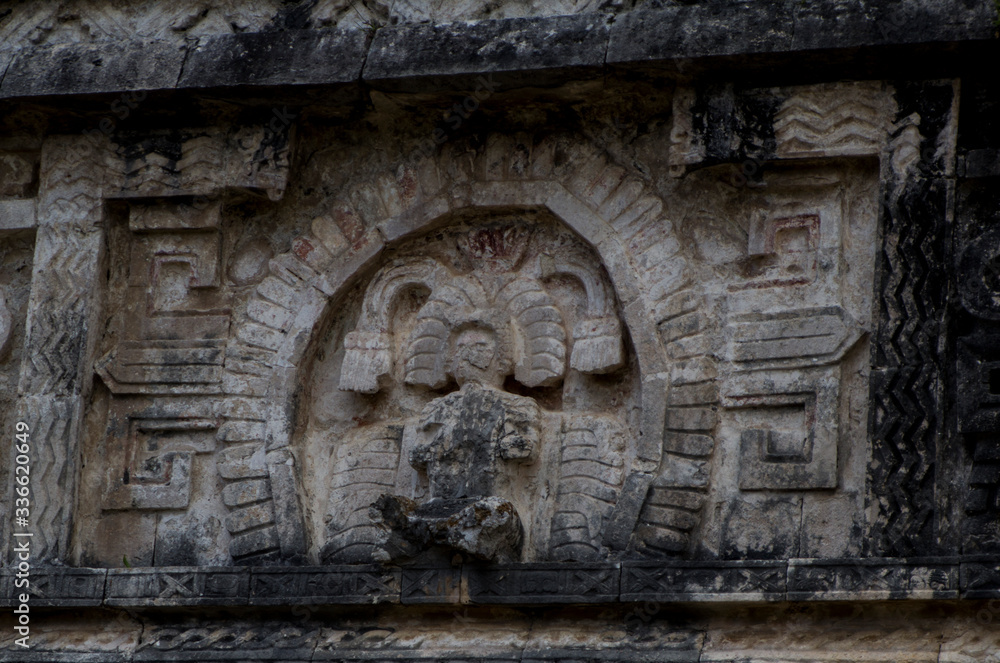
[
  {"x": 326, "y": 585},
  {"x": 872, "y": 579},
  {"x": 177, "y": 586},
  {"x": 17, "y": 215},
  {"x": 533, "y": 584},
  {"x": 736, "y": 581},
  {"x": 297, "y": 57},
  {"x": 54, "y": 587},
  {"x": 465, "y": 51},
  {"x": 764, "y": 526},
  {"x": 431, "y": 585},
  {"x": 93, "y": 68}
]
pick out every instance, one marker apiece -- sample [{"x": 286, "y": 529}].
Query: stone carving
[
  {"x": 976, "y": 264},
  {"x": 318, "y": 585},
  {"x": 790, "y": 439},
  {"x": 171, "y": 329},
  {"x": 821, "y": 334},
  {"x": 906, "y": 386},
  {"x": 633, "y": 333},
  {"x": 252, "y": 157},
  {"x": 872, "y": 580},
  {"x": 267, "y": 359},
  {"x": 490, "y": 318},
  {"x": 167, "y": 347},
  {"x": 910, "y": 128},
  {"x": 544, "y": 583},
  {"x": 785, "y": 404},
  {"x": 179, "y": 586},
  {"x": 975, "y": 324},
  {"x": 150, "y": 466},
  {"x": 673, "y": 508},
  {"x": 462, "y": 438},
  {"x": 560, "y": 330},
  {"x": 430, "y": 585},
  {"x": 768, "y": 338},
  {"x": 782, "y": 251},
  {"x": 174, "y": 340},
  {"x": 591, "y": 469},
  {"x": 837, "y": 119},
  {"x": 174, "y": 641},
  {"x": 62, "y": 310}
]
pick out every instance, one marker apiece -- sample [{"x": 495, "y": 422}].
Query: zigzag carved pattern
[
  {"x": 905, "y": 388},
  {"x": 51, "y": 434},
  {"x": 194, "y": 164},
  {"x": 57, "y": 335},
  {"x": 830, "y": 120},
  {"x": 64, "y": 281},
  {"x": 902, "y": 456}
]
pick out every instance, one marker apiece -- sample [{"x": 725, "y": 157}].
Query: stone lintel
[{"x": 521, "y": 51}]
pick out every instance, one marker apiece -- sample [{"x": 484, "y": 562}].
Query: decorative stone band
[{"x": 753, "y": 581}]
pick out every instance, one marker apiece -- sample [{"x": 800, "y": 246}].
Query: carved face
[{"x": 475, "y": 357}]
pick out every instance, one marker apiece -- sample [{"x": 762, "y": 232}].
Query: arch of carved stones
[{"x": 611, "y": 209}]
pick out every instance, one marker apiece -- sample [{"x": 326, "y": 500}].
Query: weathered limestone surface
[{"x": 511, "y": 331}]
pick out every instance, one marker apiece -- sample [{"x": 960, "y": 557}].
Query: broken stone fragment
[
  {"x": 486, "y": 528},
  {"x": 467, "y": 434}
]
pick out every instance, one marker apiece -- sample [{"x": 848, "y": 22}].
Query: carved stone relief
[
  {"x": 156, "y": 423},
  {"x": 496, "y": 382},
  {"x": 493, "y": 402},
  {"x": 978, "y": 361},
  {"x": 762, "y": 339},
  {"x": 489, "y": 353},
  {"x": 170, "y": 325},
  {"x": 269, "y": 356},
  {"x": 16, "y": 253},
  {"x": 797, "y": 308},
  {"x": 175, "y": 338}
]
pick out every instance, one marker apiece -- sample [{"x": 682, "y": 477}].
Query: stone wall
[{"x": 500, "y": 331}]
